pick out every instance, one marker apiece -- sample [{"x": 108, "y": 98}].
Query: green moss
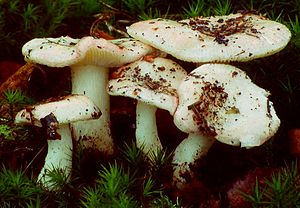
[
  {"x": 282, "y": 190},
  {"x": 6, "y": 132},
  {"x": 17, "y": 190}
]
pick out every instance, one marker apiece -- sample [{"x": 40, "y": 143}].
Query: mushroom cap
[
  {"x": 53, "y": 52},
  {"x": 220, "y": 101},
  {"x": 236, "y": 37},
  {"x": 66, "y": 51},
  {"x": 66, "y": 109},
  {"x": 154, "y": 82}
]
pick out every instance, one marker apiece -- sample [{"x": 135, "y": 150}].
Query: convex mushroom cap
[
  {"x": 66, "y": 109},
  {"x": 235, "y": 37},
  {"x": 220, "y": 101},
  {"x": 153, "y": 83}
]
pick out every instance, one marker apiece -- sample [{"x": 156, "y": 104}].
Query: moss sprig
[
  {"x": 15, "y": 100},
  {"x": 282, "y": 190},
  {"x": 17, "y": 190}
]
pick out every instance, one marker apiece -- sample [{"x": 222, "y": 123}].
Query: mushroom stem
[
  {"x": 146, "y": 130},
  {"x": 191, "y": 149},
  {"x": 91, "y": 81},
  {"x": 59, "y": 157}
]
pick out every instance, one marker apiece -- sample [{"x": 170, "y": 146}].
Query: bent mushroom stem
[
  {"x": 59, "y": 157},
  {"x": 91, "y": 81},
  {"x": 191, "y": 149},
  {"x": 146, "y": 130}
]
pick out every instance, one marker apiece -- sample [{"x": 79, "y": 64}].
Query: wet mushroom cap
[
  {"x": 154, "y": 82},
  {"x": 236, "y": 37},
  {"x": 66, "y": 51},
  {"x": 221, "y": 101},
  {"x": 66, "y": 109}
]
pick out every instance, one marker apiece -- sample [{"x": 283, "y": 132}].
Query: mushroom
[
  {"x": 89, "y": 60},
  {"x": 55, "y": 115},
  {"x": 235, "y": 37},
  {"x": 154, "y": 85},
  {"x": 220, "y": 101}
]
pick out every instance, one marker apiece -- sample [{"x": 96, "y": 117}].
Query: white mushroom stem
[
  {"x": 146, "y": 130},
  {"x": 193, "y": 148},
  {"x": 59, "y": 157},
  {"x": 91, "y": 81}
]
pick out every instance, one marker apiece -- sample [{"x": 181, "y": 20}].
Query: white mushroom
[
  {"x": 55, "y": 115},
  {"x": 89, "y": 60},
  {"x": 219, "y": 101},
  {"x": 235, "y": 37},
  {"x": 154, "y": 85}
]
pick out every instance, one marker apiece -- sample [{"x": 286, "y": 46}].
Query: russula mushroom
[
  {"x": 220, "y": 101},
  {"x": 154, "y": 85},
  {"x": 55, "y": 115},
  {"x": 89, "y": 60},
  {"x": 235, "y": 37}
]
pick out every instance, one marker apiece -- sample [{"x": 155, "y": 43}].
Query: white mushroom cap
[
  {"x": 220, "y": 100},
  {"x": 154, "y": 83},
  {"x": 53, "y": 52},
  {"x": 66, "y": 51},
  {"x": 236, "y": 37},
  {"x": 66, "y": 110}
]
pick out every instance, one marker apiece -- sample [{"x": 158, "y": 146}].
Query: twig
[
  {"x": 37, "y": 154},
  {"x": 18, "y": 80}
]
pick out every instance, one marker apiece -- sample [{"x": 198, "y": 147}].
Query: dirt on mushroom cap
[
  {"x": 220, "y": 100},
  {"x": 154, "y": 82},
  {"x": 236, "y": 37},
  {"x": 66, "y": 109}
]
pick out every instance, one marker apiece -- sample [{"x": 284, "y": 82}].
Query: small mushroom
[
  {"x": 89, "y": 60},
  {"x": 235, "y": 37},
  {"x": 220, "y": 102},
  {"x": 55, "y": 115},
  {"x": 154, "y": 85}
]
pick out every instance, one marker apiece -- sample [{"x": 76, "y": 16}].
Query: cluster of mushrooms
[{"x": 215, "y": 101}]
